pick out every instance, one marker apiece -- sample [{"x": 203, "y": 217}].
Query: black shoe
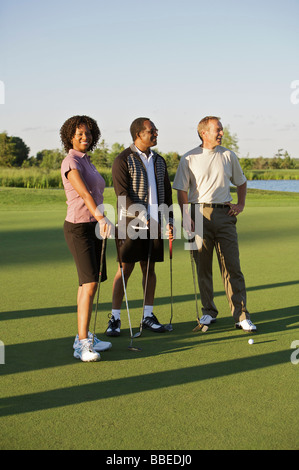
[
  {"x": 113, "y": 327},
  {"x": 152, "y": 323}
]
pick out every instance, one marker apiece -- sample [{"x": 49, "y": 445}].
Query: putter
[
  {"x": 199, "y": 327},
  {"x": 169, "y": 326},
  {"x": 131, "y": 347},
  {"x": 99, "y": 284}
]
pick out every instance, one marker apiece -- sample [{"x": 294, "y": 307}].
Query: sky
[{"x": 172, "y": 61}]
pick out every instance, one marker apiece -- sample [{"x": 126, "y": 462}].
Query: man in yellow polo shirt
[{"x": 203, "y": 180}]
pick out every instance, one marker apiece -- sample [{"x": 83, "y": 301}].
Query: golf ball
[{"x": 250, "y": 341}]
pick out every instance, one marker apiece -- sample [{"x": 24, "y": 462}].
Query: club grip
[{"x": 170, "y": 248}]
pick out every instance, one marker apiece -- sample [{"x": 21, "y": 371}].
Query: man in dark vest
[{"x": 141, "y": 182}]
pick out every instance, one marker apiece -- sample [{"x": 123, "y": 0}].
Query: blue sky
[{"x": 173, "y": 61}]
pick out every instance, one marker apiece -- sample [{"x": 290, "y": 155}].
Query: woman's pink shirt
[{"x": 77, "y": 211}]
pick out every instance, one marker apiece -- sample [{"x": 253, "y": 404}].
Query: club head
[
  {"x": 168, "y": 327},
  {"x": 137, "y": 335},
  {"x": 199, "y": 327},
  {"x": 132, "y": 348}
]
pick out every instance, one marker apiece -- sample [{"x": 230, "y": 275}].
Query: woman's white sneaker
[
  {"x": 246, "y": 325},
  {"x": 98, "y": 345},
  {"x": 86, "y": 352}
]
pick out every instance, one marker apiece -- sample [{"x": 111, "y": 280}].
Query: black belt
[{"x": 214, "y": 206}]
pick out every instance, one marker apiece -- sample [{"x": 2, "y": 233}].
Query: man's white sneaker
[
  {"x": 85, "y": 351},
  {"x": 207, "y": 320},
  {"x": 246, "y": 325},
  {"x": 151, "y": 322},
  {"x": 113, "y": 327},
  {"x": 98, "y": 345}
]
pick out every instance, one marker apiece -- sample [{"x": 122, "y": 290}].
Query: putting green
[{"x": 184, "y": 390}]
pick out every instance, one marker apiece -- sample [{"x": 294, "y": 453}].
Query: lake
[{"x": 275, "y": 185}]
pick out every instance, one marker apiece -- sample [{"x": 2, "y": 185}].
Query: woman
[{"x": 84, "y": 188}]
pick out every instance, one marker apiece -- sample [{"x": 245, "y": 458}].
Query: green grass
[
  {"x": 184, "y": 390},
  {"x": 283, "y": 174},
  {"x": 42, "y": 178},
  {"x": 38, "y": 178}
]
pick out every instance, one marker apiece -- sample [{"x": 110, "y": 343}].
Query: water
[{"x": 275, "y": 185}]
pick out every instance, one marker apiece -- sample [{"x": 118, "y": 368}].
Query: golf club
[
  {"x": 150, "y": 246},
  {"x": 169, "y": 326},
  {"x": 131, "y": 347},
  {"x": 99, "y": 284},
  {"x": 199, "y": 327}
]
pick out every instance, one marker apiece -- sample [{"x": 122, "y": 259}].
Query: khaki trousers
[{"x": 219, "y": 232}]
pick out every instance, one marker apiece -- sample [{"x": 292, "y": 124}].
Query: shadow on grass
[
  {"x": 270, "y": 321},
  {"x": 106, "y": 306},
  {"x": 39, "y": 246},
  {"x": 140, "y": 383},
  {"x": 58, "y": 352},
  {"x": 55, "y": 353}
]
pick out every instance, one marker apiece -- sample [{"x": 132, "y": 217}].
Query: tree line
[
  {"x": 16, "y": 154},
  {"x": 281, "y": 161}
]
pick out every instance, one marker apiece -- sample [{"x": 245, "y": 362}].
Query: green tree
[
  {"x": 100, "y": 155},
  {"x": 282, "y": 160},
  {"x": 21, "y": 151},
  {"x": 50, "y": 159},
  {"x": 116, "y": 149},
  {"x": 172, "y": 160},
  {"x": 246, "y": 163},
  {"x": 275, "y": 163},
  {"x": 30, "y": 162},
  {"x": 6, "y": 150},
  {"x": 230, "y": 141},
  {"x": 13, "y": 150},
  {"x": 260, "y": 163},
  {"x": 288, "y": 162}
]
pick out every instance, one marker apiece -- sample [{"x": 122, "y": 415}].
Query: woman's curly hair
[{"x": 68, "y": 131}]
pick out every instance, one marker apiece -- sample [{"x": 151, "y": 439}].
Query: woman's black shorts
[{"x": 86, "y": 250}]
